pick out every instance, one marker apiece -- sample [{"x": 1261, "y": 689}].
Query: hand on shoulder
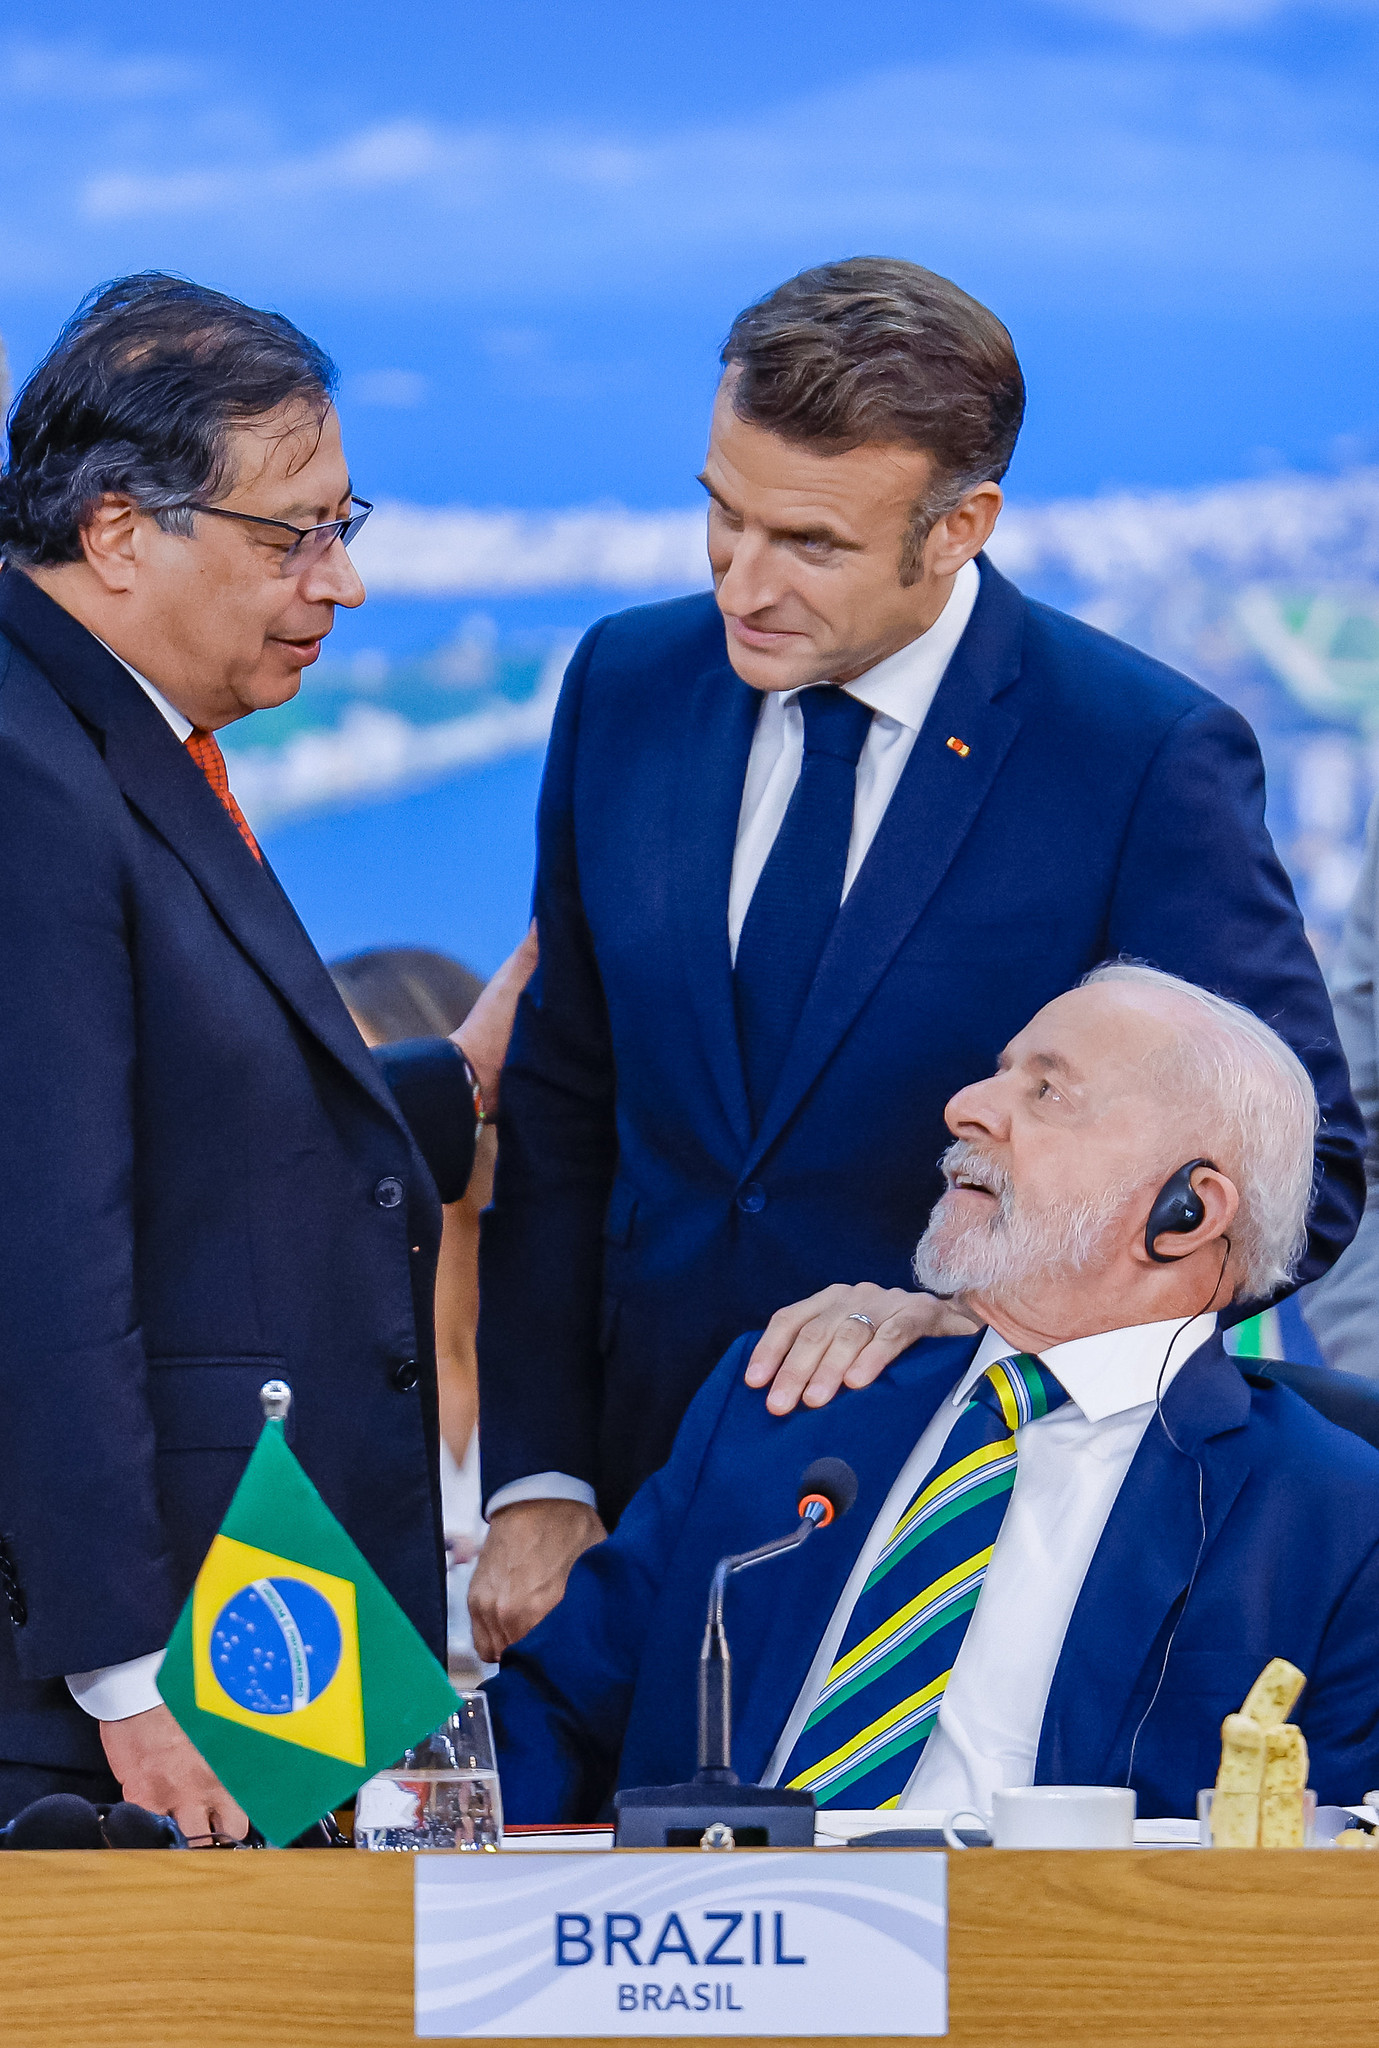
[{"x": 844, "y": 1337}]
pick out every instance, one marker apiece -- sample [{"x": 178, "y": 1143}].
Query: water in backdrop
[{"x": 396, "y": 794}]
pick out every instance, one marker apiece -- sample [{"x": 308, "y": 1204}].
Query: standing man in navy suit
[
  {"x": 1078, "y": 1537},
  {"x": 207, "y": 1181},
  {"x": 808, "y": 856}
]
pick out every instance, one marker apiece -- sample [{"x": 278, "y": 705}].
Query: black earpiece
[{"x": 1177, "y": 1209}]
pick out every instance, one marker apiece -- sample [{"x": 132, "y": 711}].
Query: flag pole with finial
[{"x": 275, "y": 1399}]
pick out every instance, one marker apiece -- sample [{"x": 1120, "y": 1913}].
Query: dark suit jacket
[
  {"x": 1106, "y": 806},
  {"x": 204, "y": 1183},
  {"x": 602, "y": 1693}
]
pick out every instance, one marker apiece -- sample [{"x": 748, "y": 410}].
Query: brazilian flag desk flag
[{"x": 291, "y": 1667}]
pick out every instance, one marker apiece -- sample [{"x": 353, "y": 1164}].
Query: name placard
[{"x": 766, "y": 1942}]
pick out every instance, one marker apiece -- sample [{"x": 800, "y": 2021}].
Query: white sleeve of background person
[
  {"x": 118, "y": 1691},
  {"x": 542, "y": 1486}
]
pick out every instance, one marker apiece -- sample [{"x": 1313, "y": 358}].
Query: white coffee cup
[{"x": 1053, "y": 1817}]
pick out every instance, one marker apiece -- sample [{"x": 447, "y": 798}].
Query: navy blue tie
[{"x": 796, "y": 900}]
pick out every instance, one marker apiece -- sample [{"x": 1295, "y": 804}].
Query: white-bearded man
[{"x": 1078, "y": 1535}]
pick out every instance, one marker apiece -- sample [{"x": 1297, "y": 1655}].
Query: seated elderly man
[{"x": 1077, "y": 1538}]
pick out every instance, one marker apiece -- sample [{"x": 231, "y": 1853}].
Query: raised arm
[{"x": 441, "y": 1084}]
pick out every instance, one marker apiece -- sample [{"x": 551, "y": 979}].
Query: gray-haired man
[
  {"x": 1078, "y": 1534},
  {"x": 206, "y": 1181}
]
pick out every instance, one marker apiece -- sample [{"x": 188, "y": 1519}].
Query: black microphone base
[{"x": 678, "y": 1816}]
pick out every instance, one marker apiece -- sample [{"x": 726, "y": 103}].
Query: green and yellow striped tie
[{"x": 880, "y": 1702}]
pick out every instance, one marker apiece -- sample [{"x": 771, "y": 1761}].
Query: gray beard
[{"x": 1012, "y": 1246}]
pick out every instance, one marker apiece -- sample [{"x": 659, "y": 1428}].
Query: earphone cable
[{"x": 1201, "y": 1510}]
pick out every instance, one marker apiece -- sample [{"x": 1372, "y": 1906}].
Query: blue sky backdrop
[{"x": 523, "y": 229}]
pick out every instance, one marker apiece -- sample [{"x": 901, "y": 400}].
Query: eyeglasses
[{"x": 308, "y": 543}]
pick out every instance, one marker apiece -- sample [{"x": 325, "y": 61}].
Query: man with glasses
[{"x": 205, "y": 1180}]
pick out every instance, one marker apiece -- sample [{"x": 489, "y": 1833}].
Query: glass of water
[{"x": 443, "y": 1794}]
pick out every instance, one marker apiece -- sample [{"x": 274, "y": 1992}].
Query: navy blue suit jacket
[
  {"x": 204, "y": 1183},
  {"x": 1104, "y": 806},
  {"x": 602, "y": 1693}
]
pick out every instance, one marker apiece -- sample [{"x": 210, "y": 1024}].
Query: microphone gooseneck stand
[
  {"x": 715, "y": 1658},
  {"x": 714, "y": 1810}
]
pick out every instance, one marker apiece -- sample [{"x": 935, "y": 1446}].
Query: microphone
[
  {"x": 830, "y": 1483},
  {"x": 714, "y": 1811},
  {"x": 826, "y": 1490},
  {"x": 61, "y": 1821},
  {"x": 64, "y": 1821},
  {"x": 134, "y": 1827}
]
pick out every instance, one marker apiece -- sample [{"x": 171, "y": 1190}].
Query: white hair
[{"x": 1260, "y": 1095}]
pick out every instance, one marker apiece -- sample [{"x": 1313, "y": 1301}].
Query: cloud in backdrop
[
  {"x": 1305, "y": 530},
  {"x": 523, "y": 238},
  {"x": 523, "y": 232},
  {"x": 1190, "y": 17},
  {"x": 1195, "y": 181}
]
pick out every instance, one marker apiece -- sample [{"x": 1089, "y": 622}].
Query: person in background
[
  {"x": 398, "y": 992},
  {"x": 1342, "y": 1308},
  {"x": 407, "y": 992}
]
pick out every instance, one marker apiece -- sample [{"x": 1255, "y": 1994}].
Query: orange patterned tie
[{"x": 204, "y": 750}]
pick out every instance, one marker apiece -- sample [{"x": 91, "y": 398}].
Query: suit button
[
  {"x": 404, "y": 1375},
  {"x": 389, "y": 1192},
  {"x": 751, "y": 1200}
]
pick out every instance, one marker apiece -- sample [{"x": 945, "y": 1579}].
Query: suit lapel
[
  {"x": 721, "y": 719},
  {"x": 157, "y": 779},
  {"x": 176, "y": 800},
  {"x": 875, "y": 1431},
  {"x": 1144, "y": 1564},
  {"x": 934, "y": 807}
]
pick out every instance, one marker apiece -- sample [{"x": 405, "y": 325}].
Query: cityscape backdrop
[
  {"x": 415, "y": 761},
  {"x": 523, "y": 232}
]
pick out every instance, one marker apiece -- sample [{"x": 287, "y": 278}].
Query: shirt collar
[
  {"x": 1111, "y": 1372},
  {"x": 183, "y": 727},
  {"x": 903, "y": 686}
]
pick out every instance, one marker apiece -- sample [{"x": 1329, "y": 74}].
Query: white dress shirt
[
  {"x": 1070, "y": 1467},
  {"x": 899, "y": 690},
  {"x": 183, "y": 727},
  {"x": 117, "y": 1691}
]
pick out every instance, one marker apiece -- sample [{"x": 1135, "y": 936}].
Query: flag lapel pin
[{"x": 960, "y": 748}]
